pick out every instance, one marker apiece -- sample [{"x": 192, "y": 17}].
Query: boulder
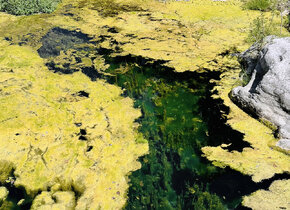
[{"x": 267, "y": 95}]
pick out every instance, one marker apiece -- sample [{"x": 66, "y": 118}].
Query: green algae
[
  {"x": 4, "y": 202},
  {"x": 3, "y": 194}
]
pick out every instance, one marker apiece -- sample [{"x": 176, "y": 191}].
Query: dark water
[{"x": 179, "y": 117}]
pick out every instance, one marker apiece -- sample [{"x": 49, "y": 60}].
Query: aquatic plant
[
  {"x": 172, "y": 124},
  {"x": 152, "y": 33}
]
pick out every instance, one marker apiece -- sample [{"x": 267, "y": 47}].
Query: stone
[
  {"x": 284, "y": 144},
  {"x": 267, "y": 95}
]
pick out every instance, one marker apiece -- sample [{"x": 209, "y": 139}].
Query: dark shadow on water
[
  {"x": 232, "y": 185},
  {"x": 72, "y": 44},
  {"x": 16, "y": 194},
  {"x": 59, "y": 39}
]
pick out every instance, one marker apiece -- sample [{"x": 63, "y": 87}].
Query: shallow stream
[{"x": 179, "y": 117}]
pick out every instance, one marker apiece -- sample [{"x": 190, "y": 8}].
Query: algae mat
[
  {"x": 186, "y": 35},
  {"x": 46, "y": 117},
  {"x": 277, "y": 197}
]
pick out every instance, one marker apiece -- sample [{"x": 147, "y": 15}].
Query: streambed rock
[{"x": 267, "y": 95}]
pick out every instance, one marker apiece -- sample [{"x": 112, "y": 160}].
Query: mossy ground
[{"x": 188, "y": 35}]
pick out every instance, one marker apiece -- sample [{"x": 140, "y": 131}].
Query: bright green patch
[
  {"x": 261, "y": 5},
  {"x": 27, "y": 7}
]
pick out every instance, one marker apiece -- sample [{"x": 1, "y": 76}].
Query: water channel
[{"x": 179, "y": 117}]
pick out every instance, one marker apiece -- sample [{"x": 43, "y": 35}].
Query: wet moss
[
  {"x": 39, "y": 112},
  {"x": 57, "y": 200},
  {"x": 274, "y": 198}
]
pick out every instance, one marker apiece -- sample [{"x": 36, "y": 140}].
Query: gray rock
[
  {"x": 284, "y": 144},
  {"x": 267, "y": 95}
]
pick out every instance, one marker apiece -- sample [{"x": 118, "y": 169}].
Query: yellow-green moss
[
  {"x": 3, "y": 194},
  {"x": 54, "y": 201},
  {"x": 39, "y": 109},
  {"x": 189, "y": 35},
  {"x": 4, "y": 203},
  {"x": 40, "y": 139},
  {"x": 277, "y": 197}
]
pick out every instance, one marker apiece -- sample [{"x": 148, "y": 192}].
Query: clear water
[{"x": 173, "y": 174}]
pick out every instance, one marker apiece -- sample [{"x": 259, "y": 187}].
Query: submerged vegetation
[{"x": 171, "y": 175}]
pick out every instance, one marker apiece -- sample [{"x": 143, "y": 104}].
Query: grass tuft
[{"x": 28, "y": 7}]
